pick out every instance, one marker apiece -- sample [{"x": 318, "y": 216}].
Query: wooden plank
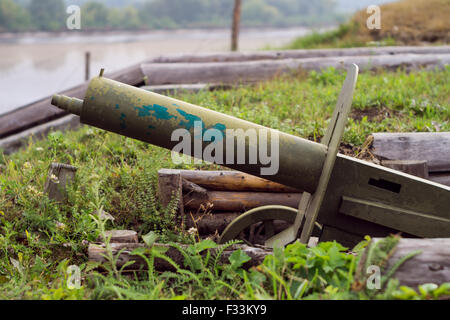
[
  {"x": 97, "y": 253},
  {"x": 253, "y": 71},
  {"x": 35, "y": 114},
  {"x": 42, "y": 111},
  {"x": 418, "y": 168},
  {"x": 238, "y": 201},
  {"x": 296, "y": 54},
  {"x": 432, "y": 265},
  {"x": 434, "y": 147},
  {"x": 209, "y": 224},
  {"x": 181, "y": 88},
  {"x": 189, "y": 187},
  {"x": 120, "y": 236},
  {"x": 14, "y": 142},
  {"x": 232, "y": 181},
  {"x": 59, "y": 176},
  {"x": 170, "y": 186},
  {"x": 171, "y": 89}
]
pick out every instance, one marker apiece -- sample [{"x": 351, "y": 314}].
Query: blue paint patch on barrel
[
  {"x": 191, "y": 119},
  {"x": 221, "y": 127},
  {"x": 157, "y": 111}
]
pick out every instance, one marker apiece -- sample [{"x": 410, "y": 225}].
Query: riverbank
[
  {"x": 138, "y": 35},
  {"x": 34, "y": 66},
  {"x": 412, "y": 22}
]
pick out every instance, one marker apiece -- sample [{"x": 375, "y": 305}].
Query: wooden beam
[
  {"x": 42, "y": 111},
  {"x": 120, "y": 236},
  {"x": 296, "y": 54},
  {"x": 434, "y": 147},
  {"x": 209, "y": 224},
  {"x": 255, "y": 71},
  {"x": 238, "y": 201},
  {"x": 417, "y": 168},
  {"x": 16, "y": 141},
  {"x": 170, "y": 186},
  {"x": 97, "y": 252},
  {"x": 59, "y": 176},
  {"x": 432, "y": 265},
  {"x": 169, "y": 89},
  {"x": 232, "y": 181}
]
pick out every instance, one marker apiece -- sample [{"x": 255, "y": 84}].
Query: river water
[{"x": 38, "y": 65}]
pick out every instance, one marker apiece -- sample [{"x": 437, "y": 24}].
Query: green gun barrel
[
  {"x": 153, "y": 118},
  {"x": 350, "y": 198}
]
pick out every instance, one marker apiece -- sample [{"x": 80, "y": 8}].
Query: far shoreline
[{"x": 60, "y": 34}]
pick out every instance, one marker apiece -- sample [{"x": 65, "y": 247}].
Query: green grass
[
  {"x": 327, "y": 39},
  {"x": 39, "y": 238},
  {"x": 405, "y": 22},
  {"x": 345, "y": 36}
]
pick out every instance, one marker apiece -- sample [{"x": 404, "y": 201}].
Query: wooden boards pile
[
  {"x": 429, "y": 150},
  {"x": 123, "y": 242},
  {"x": 215, "y": 69},
  {"x": 430, "y": 264},
  {"x": 212, "y": 199},
  {"x": 261, "y": 70},
  {"x": 297, "y": 54}
]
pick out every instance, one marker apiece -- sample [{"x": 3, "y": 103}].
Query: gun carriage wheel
[{"x": 259, "y": 224}]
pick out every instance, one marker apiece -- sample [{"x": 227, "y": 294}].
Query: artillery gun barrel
[
  {"x": 350, "y": 197},
  {"x": 154, "y": 118}
]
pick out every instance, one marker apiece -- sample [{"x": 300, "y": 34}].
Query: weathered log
[
  {"x": 239, "y": 201},
  {"x": 120, "y": 236},
  {"x": 207, "y": 224},
  {"x": 210, "y": 223},
  {"x": 417, "y": 168},
  {"x": 432, "y": 265},
  {"x": 231, "y": 181},
  {"x": 296, "y": 54},
  {"x": 96, "y": 252},
  {"x": 189, "y": 187},
  {"x": 14, "y": 142},
  {"x": 254, "y": 71},
  {"x": 42, "y": 111},
  {"x": 59, "y": 176},
  {"x": 169, "y": 187},
  {"x": 171, "y": 89},
  {"x": 434, "y": 147}
]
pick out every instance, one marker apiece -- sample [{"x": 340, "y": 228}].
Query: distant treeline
[{"x": 50, "y": 15}]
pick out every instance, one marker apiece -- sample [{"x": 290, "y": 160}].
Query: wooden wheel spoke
[
  {"x": 258, "y": 224},
  {"x": 269, "y": 228}
]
